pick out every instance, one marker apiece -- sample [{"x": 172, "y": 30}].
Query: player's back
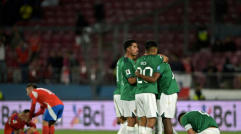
[
  {"x": 167, "y": 83},
  {"x": 147, "y": 65},
  {"x": 45, "y": 97},
  {"x": 13, "y": 123}
]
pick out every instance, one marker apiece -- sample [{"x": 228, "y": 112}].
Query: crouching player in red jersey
[
  {"x": 16, "y": 123},
  {"x": 50, "y": 105}
]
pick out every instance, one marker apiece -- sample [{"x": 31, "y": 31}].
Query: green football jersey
[
  {"x": 147, "y": 65},
  {"x": 127, "y": 71},
  {"x": 166, "y": 83},
  {"x": 118, "y": 76},
  {"x": 198, "y": 121}
]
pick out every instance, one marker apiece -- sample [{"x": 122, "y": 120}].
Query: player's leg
[
  {"x": 31, "y": 130},
  {"x": 158, "y": 125},
  {"x": 168, "y": 107},
  {"x": 151, "y": 111},
  {"x": 136, "y": 125},
  {"x": 140, "y": 113},
  {"x": 130, "y": 114},
  {"x": 119, "y": 114},
  {"x": 58, "y": 110}
]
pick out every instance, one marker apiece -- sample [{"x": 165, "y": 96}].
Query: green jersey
[
  {"x": 166, "y": 83},
  {"x": 127, "y": 71},
  {"x": 147, "y": 65},
  {"x": 198, "y": 121},
  {"x": 118, "y": 76}
]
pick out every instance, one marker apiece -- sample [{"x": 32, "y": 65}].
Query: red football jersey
[
  {"x": 45, "y": 98},
  {"x": 13, "y": 123}
]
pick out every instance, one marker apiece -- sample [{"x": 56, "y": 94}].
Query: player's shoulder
[
  {"x": 120, "y": 60},
  {"x": 127, "y": 60}
]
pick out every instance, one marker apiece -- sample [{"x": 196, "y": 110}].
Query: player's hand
[{"x": 137, "y": 73}]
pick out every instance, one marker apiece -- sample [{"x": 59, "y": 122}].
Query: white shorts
[
  {"x": 210, "y": 131},
  {"x": 118, "y": 105},
  {"x": 146, "y": 105},
  {"x": 167, "y": 105},
  {"x": 129, "y": 108}
]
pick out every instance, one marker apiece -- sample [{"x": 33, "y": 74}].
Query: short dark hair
[
  {"x": 128, "y": 43},
  {"x": 180, "y": 115},
  {"x": 32, "y": 85},
  {"x": 150, "y": 44},
  {"x": 26, "y": 111}
]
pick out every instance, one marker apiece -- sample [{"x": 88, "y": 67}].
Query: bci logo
[{"x": 87, "y": 116}]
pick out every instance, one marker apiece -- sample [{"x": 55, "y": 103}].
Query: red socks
[
  {"x": 45, "y": 130},
  {"x": 36, "y": 132},
  {"x": 51, "y": 130}
]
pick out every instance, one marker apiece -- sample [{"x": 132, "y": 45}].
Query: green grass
[{"x": 104, "y": 132}]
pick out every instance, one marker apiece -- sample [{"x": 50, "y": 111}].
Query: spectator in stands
[
  {"x": 228, "y": 70},
  {"x": 74, "y": 66},
  {"x": 25, "y": 11},
  {"x": 56, "y": 62},
  {"x": 211, "y": 75},
  {"x": 188, "y": 67},
  {"x": 221, "y": 9},
  {"x": 35, "y": 45},
  {"x": 217, "y": 46},
  {"x": 202, "y": 36},
  {"x": 3, "y": 68},
  {"x": 176, "y": 64},
  {"x": 229, "y": 45},
  {"x": 198, "y": 92},
  {"x": 80, "y": 23},
  {"x": 23, "y": 55},
  {"x": 99, "y": 12},
  {"x": 16, "y": 37},
  {"x": 3, "y": 37}
]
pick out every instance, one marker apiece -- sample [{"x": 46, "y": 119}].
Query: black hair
[
  {"x": 128, "y": 43},
  {"x": 33, "y": 85},
  {"x": 26, "y": 111},
  {"x": 149, "y": 44},
  {"x": 180, "y": 115}
]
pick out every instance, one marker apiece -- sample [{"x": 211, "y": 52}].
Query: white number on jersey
[
  {"x": 143, "y": 72},
  {"x": 46, "y": 90}
]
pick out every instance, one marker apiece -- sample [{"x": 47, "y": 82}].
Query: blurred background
[{"x": 72, "y": 46}]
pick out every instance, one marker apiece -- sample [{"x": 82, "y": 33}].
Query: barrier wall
[{"x": 100, "y": 115}]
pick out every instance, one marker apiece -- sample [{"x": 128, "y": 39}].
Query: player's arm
[
  {"x": 129, "y": 73},
  {"x": 41, "y": 111},
  {"x": 150, "y": 79},
  {"x": 165, "y": 58},
  {"x": 31, "y": 124},
  {"x": 33, "y": 104},
  {"x": 191, "y": 131}
]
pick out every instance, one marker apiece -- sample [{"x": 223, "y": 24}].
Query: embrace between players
[
  {"x": 50, "y": 106},
  {"x": 147, "y": 89}
]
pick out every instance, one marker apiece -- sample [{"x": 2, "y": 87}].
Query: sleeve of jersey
[
  {"x": 32, "y": 109},
  {"x": 185, "y": 123},
  {"x": 129, "y": 71},
  {"x": 41, "y": 111},
  {"x": 159, "y": 69},
  {"x": 31, "y": 124}
]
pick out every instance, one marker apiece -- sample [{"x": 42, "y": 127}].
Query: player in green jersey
[
  {"x": 167, "y": 96},
  {"x": 129, "y": 84},
  {"x": 117, "y": 101},
  {"x": 145, "y": 91},
  {"x": 198, "y": 122}
]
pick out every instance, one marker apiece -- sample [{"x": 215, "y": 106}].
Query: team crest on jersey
[
  {"x": 143, "y": 63},
  {"x": 128, "y": 72},
  {"x": 14, "y": 121}
]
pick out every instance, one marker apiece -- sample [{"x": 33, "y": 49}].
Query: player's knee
[
  {"x": 45, "y": 123},
  {"x": 151, "y": 122},
  {"x": 31, "y": 130}
]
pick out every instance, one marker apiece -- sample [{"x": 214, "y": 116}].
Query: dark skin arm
[
  {"x": 132, "y": 80},
  {"x": 165, "y": 58},
  {"x": 150, "y": 79}
]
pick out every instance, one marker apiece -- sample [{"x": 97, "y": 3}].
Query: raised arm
[
  {"x": 33, "y": 104},
  {"x": 150, "y": 79}
]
